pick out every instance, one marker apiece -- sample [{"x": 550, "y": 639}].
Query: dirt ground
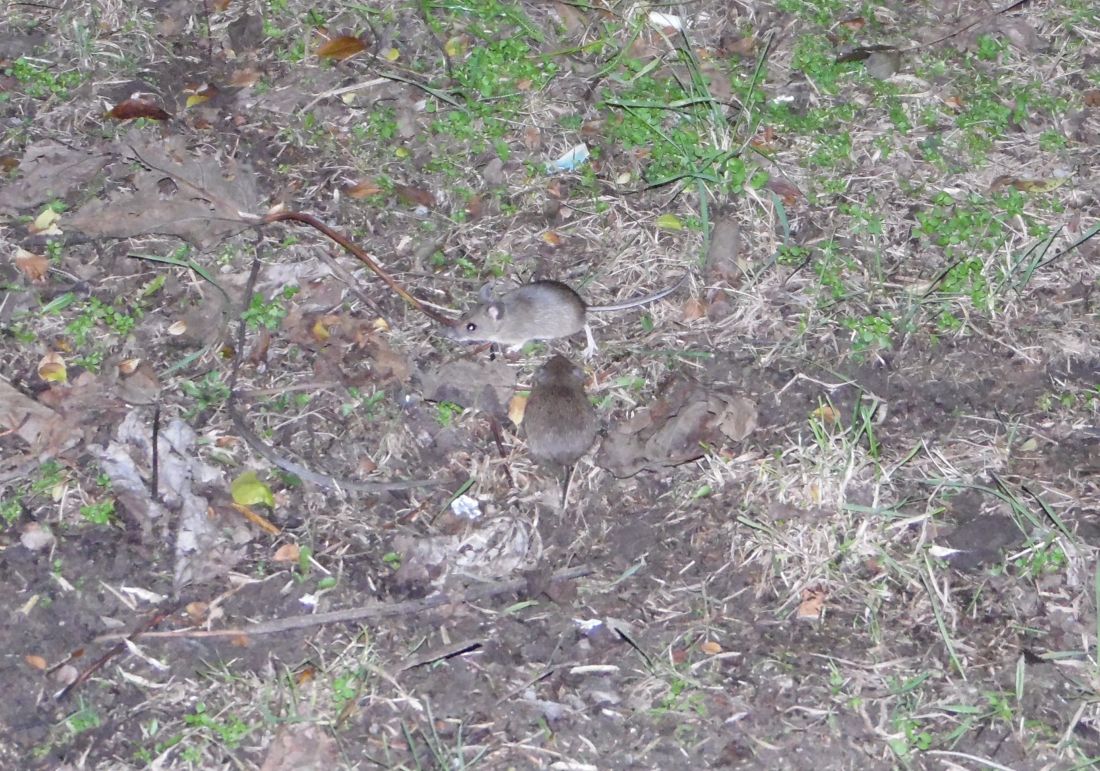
[{"x": 845, "y": 505}]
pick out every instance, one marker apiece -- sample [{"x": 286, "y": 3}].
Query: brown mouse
[
  {"x": 542, "y": 310},
  {"x": 559, "y": 421}
]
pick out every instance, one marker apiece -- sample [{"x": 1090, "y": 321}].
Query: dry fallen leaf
[
  {"x": 52, "y": 368},
  {"x": 812, "y": 605},
  {"x": 36, "y": 662},
  {"x": 249, "y": 76},
  {"x": 33, "y": 266},
  {"x": 288, "y": 552},
  {"x": 363, "y": 189},
  {"x": 343, "y": 47},
  {"x": 517, "y": 407},
  {"x": 711, "y": 648},
  {"x": 197, "y": 611},
  {"x": 410, "y": 194},
  {"x": 45, "y": 224},
  {"x": 133, "y": 108},
  {"x": 694, "y": 309},
  {"x": 826, "y": 414}
]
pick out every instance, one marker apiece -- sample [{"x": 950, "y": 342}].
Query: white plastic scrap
[{"x": 569, "y": 161}]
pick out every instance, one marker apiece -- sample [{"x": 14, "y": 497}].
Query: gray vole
[
  {"x": 542, "y": 310},
  {"x": 559, "y": 421}
]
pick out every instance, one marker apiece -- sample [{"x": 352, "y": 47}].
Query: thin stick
[{"x": 362, "y": 613}]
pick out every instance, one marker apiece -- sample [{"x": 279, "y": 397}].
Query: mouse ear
[
  {"x": 486, "y": 293},
  {"x": 495, "y": 311}
]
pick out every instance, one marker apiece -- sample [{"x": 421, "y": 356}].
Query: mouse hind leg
[{"x": 590, "y": 349}]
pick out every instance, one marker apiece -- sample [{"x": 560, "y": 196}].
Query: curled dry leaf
[
  {"x": 341, "y": 48},
  {"x": 288, "y": 552},
  {"x": 133, "y": 108},
  {"x": 363, "y": 189},
  {"x": 812, "y": 605},
  {"x": 678, "y": 427},
  {"x": 52, "y": 368},
  {"x": 197, "y": 611},
  {"x": 33, "y": 266}
]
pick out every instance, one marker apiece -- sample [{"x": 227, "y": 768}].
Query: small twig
[
  {"x": 116, "y": 649},
  {"x": 362, "y": 613}
]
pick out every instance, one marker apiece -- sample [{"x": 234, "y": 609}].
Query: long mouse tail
[{"x": 639, "y": 300}]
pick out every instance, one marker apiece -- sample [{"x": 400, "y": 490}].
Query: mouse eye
[{"x": 471, "y": 327}]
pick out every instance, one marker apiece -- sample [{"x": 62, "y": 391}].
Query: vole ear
[
  {"x": 486, "y": 293},
  {"x": 495, "y": 311}
]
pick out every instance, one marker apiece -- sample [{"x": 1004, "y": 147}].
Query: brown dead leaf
[
  {"x": 133, "y": 108},
  {"x": 36, "y": 662},
  {"x": 733, "y": 45},
  {"x": 8, "y": 164},
  {"x": 785, "y": 189},
  {"x": 813, "y": 604},
  {"x": 827, "y": 414},
  {"x": 681, "y": 425},
  {"x": 197, "y": 611},
  {"x": 33, "y": 266},
  {"x": 551, "y": 238},
  {"x": 222, "y": 5},
  {"x": 694, "y": 309},
  {"x": 410, "y": 195},
  {"x": 341, "y": 48},
  {"x": 363, "y": 189},
  {"x": 1091, "y": 97},
  {"x": 203, "y": 210},
  {"x": 475, "y": 207},
  {"x": 246, "y": 77},
  {"x": 711, "y": 648},
  {"x": 288, "y": 552},
  {"x": 854, "y": 23}
]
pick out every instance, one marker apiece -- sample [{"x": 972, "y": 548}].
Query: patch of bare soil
[{"x": 259, "y": 511}]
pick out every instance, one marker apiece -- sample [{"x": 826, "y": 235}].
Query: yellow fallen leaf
[
  {"x": 669, "y": 222},
  {"x": 248, "y": 490},
  {"x": 516, "y": 409},
  {"x": 52, "y": 368},
  {"x": 46, "y": 223}
]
